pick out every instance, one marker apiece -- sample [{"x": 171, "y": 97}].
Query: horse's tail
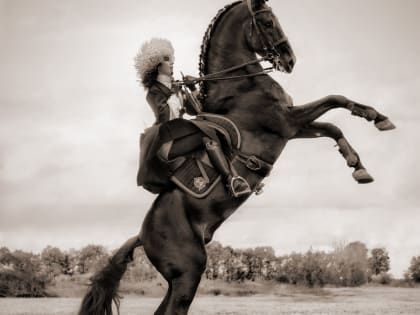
[{"x": 104, "y": 284}]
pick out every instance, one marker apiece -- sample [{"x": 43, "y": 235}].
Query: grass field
[{"x": 365, "y": 300}]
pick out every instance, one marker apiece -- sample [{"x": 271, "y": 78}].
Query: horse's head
[{"x": 266, "y": 37}]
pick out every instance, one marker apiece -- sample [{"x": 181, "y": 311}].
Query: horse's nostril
[{"x": 291, "y": 63}]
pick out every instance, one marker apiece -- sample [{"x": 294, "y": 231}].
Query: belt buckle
[{"x": 253, "y": 163}]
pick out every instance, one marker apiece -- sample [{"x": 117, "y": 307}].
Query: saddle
[{"x": 195, "y": 174}]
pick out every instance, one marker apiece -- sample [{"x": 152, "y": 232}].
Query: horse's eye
[{"x": 268, "y": 24}]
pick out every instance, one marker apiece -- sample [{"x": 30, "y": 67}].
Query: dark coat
[
  {"x": 152, "y": 173},
  {"x": 157, "y": 97}
]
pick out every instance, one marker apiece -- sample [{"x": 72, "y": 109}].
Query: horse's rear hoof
[
  {"x": 362, "y": 176},
  {"x": 385, "y": 125}
]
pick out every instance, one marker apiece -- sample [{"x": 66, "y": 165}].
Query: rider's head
[{"x": 154, "y": 57}]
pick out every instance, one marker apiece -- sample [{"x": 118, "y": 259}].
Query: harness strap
[{"x": 254, "y": 163}]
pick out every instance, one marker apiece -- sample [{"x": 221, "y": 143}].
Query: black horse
[{"x": 178, "y": 227}]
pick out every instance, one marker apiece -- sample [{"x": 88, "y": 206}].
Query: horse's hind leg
[
  {"x": 176, "y": 251},
  {"x": 164, "y": 304},
  {"x": 183, "y": 276},
  {"x": 184, "y": 288},
  {"x": 305, "y": 114},
  {"x": 318, "y": 129}
]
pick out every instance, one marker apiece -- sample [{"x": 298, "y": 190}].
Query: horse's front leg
[
  {"x": 318, "y": 129},
  {"x": 307, "y": 113}
]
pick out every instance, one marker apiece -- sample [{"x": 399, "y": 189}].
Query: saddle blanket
[{"x": 196, "y": 176}]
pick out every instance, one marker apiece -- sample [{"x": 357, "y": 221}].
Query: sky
[{"x": 71, "y": 112}]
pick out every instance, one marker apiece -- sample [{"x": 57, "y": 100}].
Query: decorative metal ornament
[{"x": 200, "y": 183}]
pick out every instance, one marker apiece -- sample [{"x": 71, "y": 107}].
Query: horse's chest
[{"x": 280, "y": 95}]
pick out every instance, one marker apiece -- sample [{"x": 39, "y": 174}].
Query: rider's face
[{"x": 166, "y": 67}]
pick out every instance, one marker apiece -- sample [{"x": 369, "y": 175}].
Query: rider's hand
[
  {"x": 176, "y": 86},
  {"x": 190, "y": 82}
]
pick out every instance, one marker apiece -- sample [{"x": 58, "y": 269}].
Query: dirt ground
[{"x": 365, "y": 300}]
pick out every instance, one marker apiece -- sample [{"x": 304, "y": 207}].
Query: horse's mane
[{"x": 205, "y": 47}]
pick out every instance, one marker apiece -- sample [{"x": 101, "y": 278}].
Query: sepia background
[{"x": 72, "y": 110}]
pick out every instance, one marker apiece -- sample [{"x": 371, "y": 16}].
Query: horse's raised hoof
[
  {"x": 362, "y": 176},
  {"x": 385, "y": 125}
]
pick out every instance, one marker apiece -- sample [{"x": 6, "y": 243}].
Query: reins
[{"x": 216, "y": 76}]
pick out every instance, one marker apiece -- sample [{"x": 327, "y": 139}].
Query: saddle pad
[
  {"x": 196, "y": 177},
  {"x": 224, "y": 125}
]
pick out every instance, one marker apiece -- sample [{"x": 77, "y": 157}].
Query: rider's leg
[
  {"x": 186, "y": 145},
  {"x": 237, "y": 185},
  {"x": 173, "y": 152}
]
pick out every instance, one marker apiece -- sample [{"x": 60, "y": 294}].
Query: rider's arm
[
  {"x": 189, "y": 105},
  {"x": 190, "y": 108}
]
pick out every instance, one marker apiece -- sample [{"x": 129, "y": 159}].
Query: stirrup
[{"x": 245, "y": 191}]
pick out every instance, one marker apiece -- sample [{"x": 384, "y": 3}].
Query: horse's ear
[{"x": 257, "y": 4}]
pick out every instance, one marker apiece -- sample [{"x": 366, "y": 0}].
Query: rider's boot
[{"x": 238, "y": 186}]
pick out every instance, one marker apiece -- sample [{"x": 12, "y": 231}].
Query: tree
[
  {"x": 379, "y": 261},
  {"x": 54, "y": 261},
  {"x": 414, "y": 270},
  {"x": 350, "y": 264},
  {"x": 91, "y": 258}
]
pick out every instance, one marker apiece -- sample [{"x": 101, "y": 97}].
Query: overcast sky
[{"x": 71, "y": 113}]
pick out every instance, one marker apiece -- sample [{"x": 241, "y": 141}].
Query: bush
[
  {"x": 91, "y": 258},
  {"x": 382, "y": 278},
  {"x": 21, "y": 275}
]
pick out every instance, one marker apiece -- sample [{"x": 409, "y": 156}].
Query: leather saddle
[{"x": 196, "y": 175}]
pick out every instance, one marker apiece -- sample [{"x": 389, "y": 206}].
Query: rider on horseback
[{"x": 154, "y": 64}]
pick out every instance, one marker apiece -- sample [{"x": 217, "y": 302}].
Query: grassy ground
[{"x": 285, "y": 300}]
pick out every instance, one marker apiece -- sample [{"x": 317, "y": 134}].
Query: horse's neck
[
  {"x": 243, "y": 100},
  {"x": 228, "y": 50}
]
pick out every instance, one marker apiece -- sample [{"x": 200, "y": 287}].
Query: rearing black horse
[{"x": 178, "y": 226}]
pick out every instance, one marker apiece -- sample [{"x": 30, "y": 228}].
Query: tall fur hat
[{"x": 151, "y": 54}]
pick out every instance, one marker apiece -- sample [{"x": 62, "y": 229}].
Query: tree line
[{"x": 28, "y": 274}]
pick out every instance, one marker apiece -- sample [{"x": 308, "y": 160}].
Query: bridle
[{"x": 269, "y": 48}]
